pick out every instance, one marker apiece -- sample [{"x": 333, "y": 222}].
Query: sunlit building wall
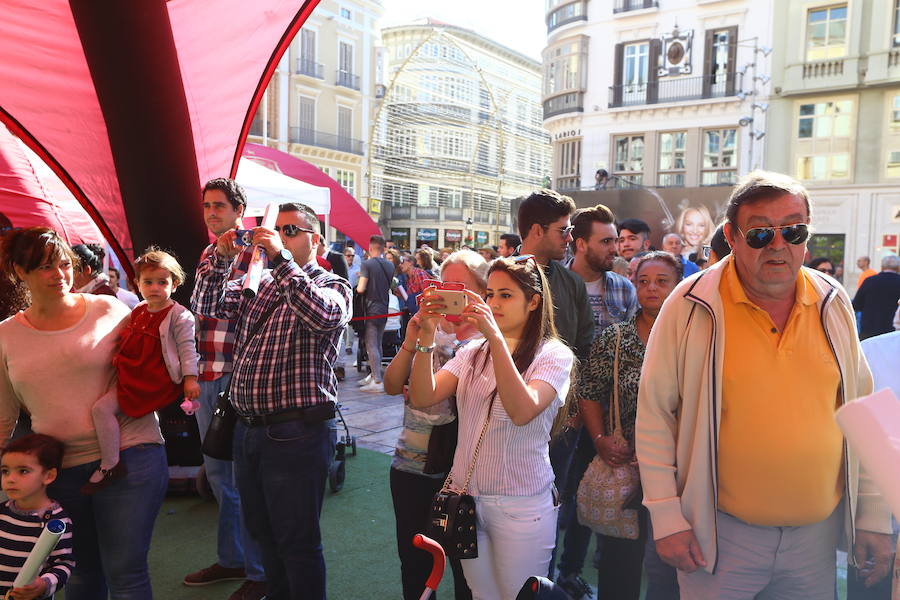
[
  {"x": 834, "y": 121},
  {"x": 457, "y": 137}
]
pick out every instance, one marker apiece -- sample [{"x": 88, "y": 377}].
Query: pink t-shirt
[{"x": 59, "y": 375}]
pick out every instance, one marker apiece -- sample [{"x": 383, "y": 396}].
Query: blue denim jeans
[
  {"x": 113, "y": 527},
  {"x": 281, "y": 472},
  {"x": 577, "y": 537},
  {"x": 234, "y": 546},
  {"x": 562, "y": 451}
]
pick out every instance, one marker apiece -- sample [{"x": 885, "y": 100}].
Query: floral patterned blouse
[{"x": 596, "y": 379}]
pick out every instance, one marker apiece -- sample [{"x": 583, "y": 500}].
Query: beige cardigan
[{"x": 679, "y": 409}]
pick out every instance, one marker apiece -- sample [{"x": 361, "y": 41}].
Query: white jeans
[{"x": 516, "y": 535}]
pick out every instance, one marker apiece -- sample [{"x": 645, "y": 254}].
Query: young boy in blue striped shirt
[{"x": 28, "y": 465}]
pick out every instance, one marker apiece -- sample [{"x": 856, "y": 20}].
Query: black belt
[{"x": 309, "y": 414}]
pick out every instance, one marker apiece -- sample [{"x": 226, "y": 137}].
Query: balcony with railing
[
  {"x": 564, "y": 103},
  {"x": 568, "y": 13},
  {"x": 681, "y": 89},
  {"x": 346, "y": 79},
  {"x": 622, "y": 6},
  {"x": 310, "y": 68},
  {"x": 311, "y": 137}
]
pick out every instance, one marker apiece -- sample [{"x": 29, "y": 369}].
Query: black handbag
[
  {"x": 453, "y": 522},
  {"x": 219, "y": 438}
]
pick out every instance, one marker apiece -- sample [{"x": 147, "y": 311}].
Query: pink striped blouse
[{"x": 513, "y": 460}]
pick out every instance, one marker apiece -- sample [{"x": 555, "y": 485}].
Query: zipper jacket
[{"x": 680, "y": 409}]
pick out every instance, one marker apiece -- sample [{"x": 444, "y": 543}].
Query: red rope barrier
[{"x": 396, "y": 314}]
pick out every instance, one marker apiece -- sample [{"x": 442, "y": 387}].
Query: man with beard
[
  {"x": 612, "y": 299},
  {"x": 611, "y": 296}
]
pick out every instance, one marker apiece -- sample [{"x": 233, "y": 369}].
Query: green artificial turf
[
  {"x": 358, "y": 536},
  {"x": 357, "y": 529}
]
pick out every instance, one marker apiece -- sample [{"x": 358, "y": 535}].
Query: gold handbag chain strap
[
  {"x": 471, "y": 470},
  {"x": 617, "y": 411}
]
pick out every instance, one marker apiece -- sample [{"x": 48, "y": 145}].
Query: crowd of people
[{"x": 710, "y": 368}]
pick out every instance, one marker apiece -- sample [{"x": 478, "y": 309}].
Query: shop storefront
[
  {"x": 452, "y": 238},
  {"x": 400, "y": 237},
  {"x": 426, "y": 236}
]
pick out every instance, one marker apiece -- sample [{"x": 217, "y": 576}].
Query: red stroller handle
[{"x": 440, "y": 561}]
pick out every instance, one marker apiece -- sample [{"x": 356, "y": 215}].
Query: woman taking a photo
[
  {"x": 509, "y": 390},
  {"x": 415, "y": 476},
  {"x": 56, "y": 362},
  {"x": 656, "y": 275}
]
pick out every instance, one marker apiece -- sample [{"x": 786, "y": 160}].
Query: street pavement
[{"x": 375, "y": 419}]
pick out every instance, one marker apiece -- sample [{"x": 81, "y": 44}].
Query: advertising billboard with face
[{"x": 692, "y": 213}]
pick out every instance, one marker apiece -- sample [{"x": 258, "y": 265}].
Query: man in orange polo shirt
[
  {"x": 747, "y": 478},
  {"x": 865, "y": 269}
]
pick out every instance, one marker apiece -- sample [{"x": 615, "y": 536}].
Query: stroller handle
[{"x": 437, "y": 554}]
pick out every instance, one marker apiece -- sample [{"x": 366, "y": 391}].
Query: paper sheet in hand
[{"x": 872, "y": 427}]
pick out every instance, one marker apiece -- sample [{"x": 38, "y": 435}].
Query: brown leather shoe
[
  {"x": 250, "y": 590},
  {"x": 214, "y": 574},
  {"x": 109, "y": 475}
]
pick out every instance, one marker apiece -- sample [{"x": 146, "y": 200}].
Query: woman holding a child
[{"x": 56, "y": 361}]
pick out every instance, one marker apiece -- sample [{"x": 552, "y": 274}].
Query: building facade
[
  {"x": 456, "y": 138},
  {"x": 659, "y": 93},
  {"x": 320, "y": 101},
  {"x": 834, "y": 121}
]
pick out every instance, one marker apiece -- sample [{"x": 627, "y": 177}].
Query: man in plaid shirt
[
  {"x": 237, "y": 555},
  {"x": 283, "y": 388}
]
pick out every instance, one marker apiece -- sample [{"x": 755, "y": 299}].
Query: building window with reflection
[
  {"x": 896, "y": 37},
  {"x": 823, "y": 143},
  {"x": 892, "y": 166},
  {"x": 565, "y": 77},
  {"x": 567, "y": 13},
  {"x": 719, "y": 157},
  {"x": 347, "y": 180},
  {"x": 826, "y": 32},
  {"x": 671, "y": 158},
  {"x": 568, "y": 156},
  {"x": 628, "y": 151}
]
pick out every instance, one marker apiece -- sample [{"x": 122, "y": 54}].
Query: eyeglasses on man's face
[
  {"x": 565, "y": 231},
  {"x": 290, "y": 230},
  {"x": 760, "y": 237}
]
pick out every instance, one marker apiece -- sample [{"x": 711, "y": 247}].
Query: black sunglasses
[
  {"x": 291, "y": 230},
  {"x": 760, "y": 237}
]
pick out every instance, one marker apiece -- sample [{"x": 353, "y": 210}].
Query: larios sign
[{"x": 571, "y": 133}]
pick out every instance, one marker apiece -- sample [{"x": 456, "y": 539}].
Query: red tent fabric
[
  {"x": 136, "y": 104},
  {"x": 31, "y": 195},
  {"x": 347, "y": 215}
]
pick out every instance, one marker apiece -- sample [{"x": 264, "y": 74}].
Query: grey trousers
[
  {"x": 374, "y": 335},
  {"x": 769, "y": 563}
]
